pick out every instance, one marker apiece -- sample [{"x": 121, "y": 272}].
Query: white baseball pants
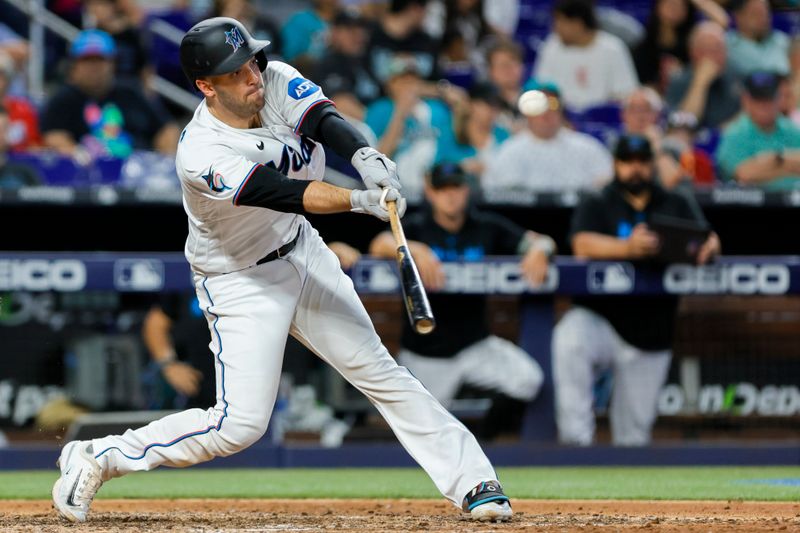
[
  {"x": 250, "y": 313},
  {"x": 585, "y": 345},
  {"x": 492, "y": 364}
]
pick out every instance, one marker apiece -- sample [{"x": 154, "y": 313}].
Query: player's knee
[{"x": 237, "y": 435}]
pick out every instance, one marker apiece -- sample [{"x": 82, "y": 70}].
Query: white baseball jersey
[{"x": 215, "y": 160}]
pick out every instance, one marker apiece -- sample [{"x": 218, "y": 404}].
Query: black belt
[{"x": 280, "y": 252}]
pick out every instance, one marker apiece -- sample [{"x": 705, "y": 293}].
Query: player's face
[{"x": 242, "y": 91}]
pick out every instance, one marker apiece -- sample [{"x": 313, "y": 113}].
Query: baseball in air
[{"x": 533, "y": 103}]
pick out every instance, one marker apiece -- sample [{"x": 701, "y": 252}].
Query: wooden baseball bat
[{"x": 418, "y": 307}]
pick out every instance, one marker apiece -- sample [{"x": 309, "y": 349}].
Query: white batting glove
[
  {"x": 373, "y": 202},
  {"x": 376, "y": 170}
]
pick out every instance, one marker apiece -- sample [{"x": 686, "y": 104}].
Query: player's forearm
[
  {"x": 323, "y": 198},
  {"x": 590, "y": 245}
]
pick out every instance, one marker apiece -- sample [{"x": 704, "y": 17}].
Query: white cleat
[
  {"x": 487, "y": 503},
  {"x": 492, "y": 512},
  {"x": 80, "y": 479}
]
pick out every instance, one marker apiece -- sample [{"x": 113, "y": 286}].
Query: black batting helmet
[{"x": 219, "y": 45}]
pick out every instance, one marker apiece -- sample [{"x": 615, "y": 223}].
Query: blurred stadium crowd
[{"x": 712, "y": 87}]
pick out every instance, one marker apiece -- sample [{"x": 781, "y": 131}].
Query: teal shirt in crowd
[
  {"x": 743, "y": 140},
  {"x": 304, "y": 33},
  {"x": 452, "y": 151},
  {"x": 438, "y": 125},
  {"x": 770, "y": 54}
]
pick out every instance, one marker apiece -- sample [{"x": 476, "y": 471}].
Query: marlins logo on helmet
[{"x": 234, "y": 38}]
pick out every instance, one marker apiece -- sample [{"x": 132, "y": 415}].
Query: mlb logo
[
  {"x": 376, "y": 277},
  {"x": 610, "y": 278},
  {"x": 138, "y": 275}
]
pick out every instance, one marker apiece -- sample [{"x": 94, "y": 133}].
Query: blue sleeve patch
[{"x": 299, "y": 88}]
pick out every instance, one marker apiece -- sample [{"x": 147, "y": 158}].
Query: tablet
[{"x": 680, "y": 238}]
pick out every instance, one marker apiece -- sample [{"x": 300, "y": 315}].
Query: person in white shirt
[
  {"x": 548, "y": 157},
  {"x": 590, "y": 66}
]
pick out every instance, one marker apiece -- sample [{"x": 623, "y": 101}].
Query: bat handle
[{"x": 394, "y": 221}]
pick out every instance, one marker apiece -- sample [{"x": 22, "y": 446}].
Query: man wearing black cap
[
  {"x": 460, "y": 349},
  {"x": 632, "y": 336},
  {"x": 761, "y": 147}
]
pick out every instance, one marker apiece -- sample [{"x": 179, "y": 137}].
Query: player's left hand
[
  {"x": 374, "y": 202},
  {"x": 376, "y": 170}
]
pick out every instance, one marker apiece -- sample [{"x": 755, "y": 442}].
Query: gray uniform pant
[{"x": 585, "y": 345}]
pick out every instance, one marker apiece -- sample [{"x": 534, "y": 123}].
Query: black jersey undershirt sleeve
[
  {"x": 266, "y": 187},
  {"x": 324, "y": 124}
]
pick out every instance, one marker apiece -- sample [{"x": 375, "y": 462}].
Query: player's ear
[{"x": 204, "y": 86}]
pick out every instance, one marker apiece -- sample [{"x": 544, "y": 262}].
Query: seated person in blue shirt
[
  {"x": 761, "y": 147},
  {"x": 461, "y": 348}
]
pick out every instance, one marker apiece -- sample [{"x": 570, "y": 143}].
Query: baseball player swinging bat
[{"x": 418, "y": 307}]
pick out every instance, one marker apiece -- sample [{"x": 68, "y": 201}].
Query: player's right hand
[
  {"x": 377, "y": 171},
  {"x": 182, "y": 377},
  {"x": 373, "y": 202}
]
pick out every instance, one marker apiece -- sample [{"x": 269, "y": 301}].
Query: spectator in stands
[
  {"x": 12, "y": 174},
  {"x": 754, "y": 45},
  {"x": 409, "y": 127},
  {"x": 461, "y": 348},
  {"x": 95, "y": 114},
  {"x": 478, "y": 136},
  {"x": 641, "y": 114},
  {"x": 463, "y": 19},
  {"x": 304, "y": 36},
  {"x": 505, "y": 67},
  {"x": 132, "y": 58},
  {"x": 548, "y": 157},
  {"x": 761, "y": 147},
  {"x": 679, "y": 160},
  {"x": 260, "y": 26},
  {"x": 591, "y": 67},
  {"x": 632, "y": 338},
  {"x": 342, "y": 72},
  {"x": 23, "y": 128},
  {"x": 664, "y": 49},
  {"x": 706, "y": 88},
  {"x": 400, "y": 31}
]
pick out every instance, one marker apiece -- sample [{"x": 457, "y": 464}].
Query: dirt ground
[{"x": 231, "y": 516}]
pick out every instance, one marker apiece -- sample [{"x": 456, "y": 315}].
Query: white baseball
[{"x": 533, "y": 103}]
